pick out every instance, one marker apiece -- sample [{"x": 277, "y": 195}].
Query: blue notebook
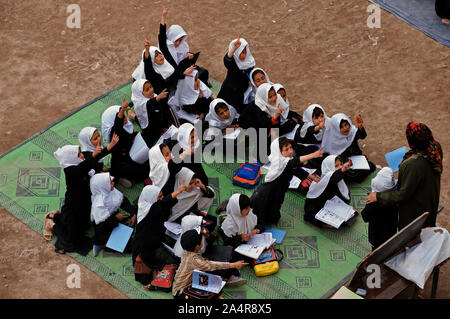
[
  {"x": 277, "y": 234},
  {"x": 119, "y": 238},
  {"x": 395, "y": 157}
]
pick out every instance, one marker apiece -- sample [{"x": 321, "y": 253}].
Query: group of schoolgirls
[{"x": 177, "y": 190}]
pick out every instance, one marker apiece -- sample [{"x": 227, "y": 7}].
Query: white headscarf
[
  {"x": 277, "y": 161},
  {"x": 174, "y": 33},
  {"x": 333, "y": 141},
  {"x": 148, "y": 197},
  {"x": 189, "y": 222},
  {"x": 186, "y": 199},
  {"x": 316, "y": 189},
  {"x": 184, "y": 136},
  {"x": 186, "y": 94},
  {"x": 67, "y": 156},
  {"x": 85, "y": 139},
  {"x": 384, "y": 181},
  {"x": 159, "y": 170},
  {"x": 249, "y": 95},
  {"x": 262, "y": 97},
  {"x": 215, "y": 120},
  {"x": 285, "y": 113},
  {"x": 166, "y": 69},
  {"x": 308, "y": 121},
  {"x": 140, "y": 102},
  {"x": 249, "y": 61},
  {"x": 104, "y": 200},
  {"x": 108, "y": 118},
  {"x": 235, "y": 223}
]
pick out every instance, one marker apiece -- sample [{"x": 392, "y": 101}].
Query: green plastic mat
[{"x": 316, "y": 261}]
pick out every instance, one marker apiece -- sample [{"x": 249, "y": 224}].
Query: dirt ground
[{"x": 322, "y": 51}]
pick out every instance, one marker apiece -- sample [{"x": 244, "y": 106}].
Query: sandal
[
  {"x": 60, "y": 251},
  {"x": 48, "y": 226}
]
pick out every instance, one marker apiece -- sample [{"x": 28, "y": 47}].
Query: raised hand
[
  {"x": 189, "y": 70},
  {"x": 124, "y": 104},
  {"x": 359, "y": 121},
  {"x": 318, "y": 153},
  {"x": 162, "y": 95}
]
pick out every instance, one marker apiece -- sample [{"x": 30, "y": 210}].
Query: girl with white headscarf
[
  {"x": 240, "y": 223},
  {"x": 222, "y": 117},
  {"x": 151, "y": 110},
  {"x": 331, "y": 184},
  {"x": 269, "y": 196},
  {"x": 73, "y": 222},
  {"x": 192, "y": 95},
  {"x": 257, "y": 77},
  {"x": 105, "y": 214},
  {"x": 173, "y": 44},
  {"x": 341, "y": 138},
  {"x": 153, "y": 211},
  {"x": 89, "y": 139},
  {"x": 123, "y": 168},
  {"x": 263, "y": 113},
  {"x": 190, "y": 144},
  {"x": 190, "y": 222},
  {"x": 196, "y": 197},
  {"x": 383, "y": 220},
  {"x": 287, "y": 114},
  {"x": 239, "y": 62},
  {"x": 313, "y": 128}
]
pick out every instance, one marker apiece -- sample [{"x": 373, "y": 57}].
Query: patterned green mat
[{"x": 316, "y": 261}]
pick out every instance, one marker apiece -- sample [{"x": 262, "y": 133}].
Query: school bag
[
  {"x": 247, "y": 175},
  {"x": 268, "y": 262},
  {"x": 164, "y": 278},
  {"x": 193, "y": 293}
]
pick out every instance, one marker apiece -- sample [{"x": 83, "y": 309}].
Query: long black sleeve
[{"x": 128, "y": 207}]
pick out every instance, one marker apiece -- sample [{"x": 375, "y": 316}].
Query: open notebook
[
  {"x": 256, "y": 245},
  {"x": 335, "y": 212},
  {"x": 207, "y": 282}
]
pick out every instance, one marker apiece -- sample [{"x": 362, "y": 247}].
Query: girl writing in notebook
[{"x": 331, "y": 184}]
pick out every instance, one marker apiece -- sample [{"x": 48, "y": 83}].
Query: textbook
[
  {"x": 139, "y": 149},
  {"x": 173, "y": 230},
  {"x": 295, "y": 182},
  {"x": 395, "y": 157},
  {"x": 119, "y": 238},
  {"x": 359, "y": 162},
  {"x": 192, "y": 118},
  {"x": 335, "y": 212},
  {"x": 234, "y": 135},
  {"x": 256, "y": 245},
  {"x": 207, "y": 282}
]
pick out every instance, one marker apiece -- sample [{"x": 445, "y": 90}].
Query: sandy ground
[{"x": 321, "y": 50}]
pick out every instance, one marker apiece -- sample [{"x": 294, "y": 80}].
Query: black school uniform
[
  {"x": 254, "y": 117},
  {"x": 383, "y": 222},
  {"x": 159, "y": 118},
  {"x": 121, "y": 163},
  {"x": 74, "y": 220},
  {"x": 442, "y": 8},
  {"x": 236, "y": 240},
  {"x": 150, "y": 234},
  {"x": 203, "y": 74},
  {"x": 156, "y": 80},
  {"x": 235, "y": 84},
  {"x": 301, "y": 149},
  {"x": 356, "y": 175},
  {"x": 267, "y": 199},
  {"x": 103, "y": 230},
  {"x": 200, "y": 106},
  {"x": 313, "y": 205},
  {"x": 97, "y": 166}
]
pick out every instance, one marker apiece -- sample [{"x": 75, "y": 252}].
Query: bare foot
[{"x": 446, "y": 21}]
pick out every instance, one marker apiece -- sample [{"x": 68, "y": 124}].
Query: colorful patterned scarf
[{"x": 421, "y": 142}]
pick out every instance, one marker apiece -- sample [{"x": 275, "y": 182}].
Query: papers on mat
[
  {"x": 173, "y": 230},
  {"x": 295, "y": 182},
  {"x": 207, "y": 282},
  {"x": 139, "y": 149},
  {"x": 193, "y": 118},
  {"x": 256, "y": 245},
  {"x": 309, "y": 170},
  {"x": 395, "y": 157},
  {"x": 291, "y": 134},
  {"x": 277, "y": 234},
  {"x": 345, "y": 293},
  {"x": 359, "y": 162},
  {"x": 168, "y": 134},
  {"x": 233, "y": 135},
  {"x": 335, "y": 212},
  {"x": 119, "y": 238}
]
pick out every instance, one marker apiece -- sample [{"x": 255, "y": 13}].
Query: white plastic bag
[{"x": 417, "y": 263}]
